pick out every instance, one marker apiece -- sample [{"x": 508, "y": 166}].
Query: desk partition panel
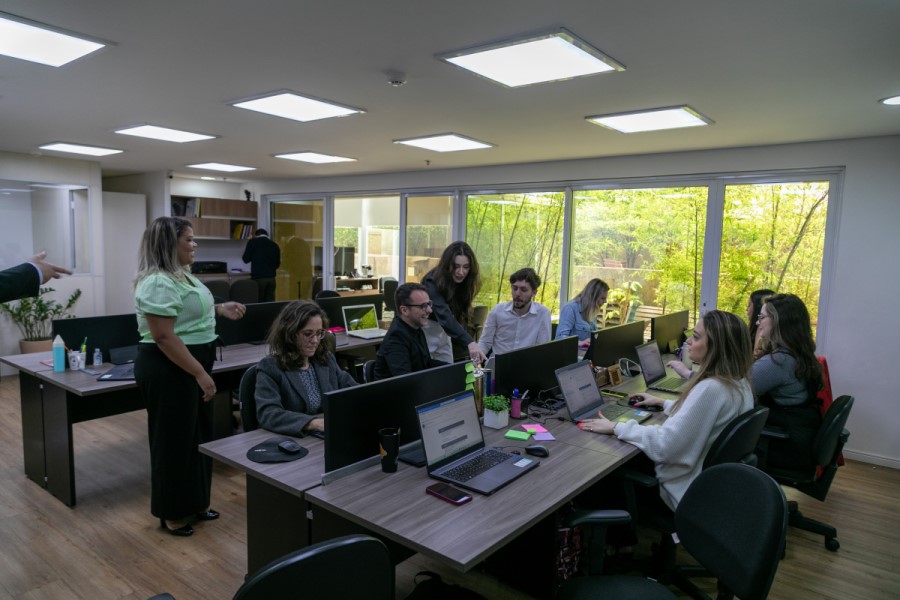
[
  {"x": 533, "y": 368},
  {"x": 253, "y": 327},
  {"x": 668, "y": 330},
  {"x": 111, "y": 331}
]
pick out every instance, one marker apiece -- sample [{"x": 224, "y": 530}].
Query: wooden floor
[{"x": 110, "y": 547}]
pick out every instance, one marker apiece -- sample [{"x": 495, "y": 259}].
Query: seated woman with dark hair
[
  {"x": 299, "y": 369},
  {"x": 787, "y": 378},
  {"x": 754, "y": 306}
]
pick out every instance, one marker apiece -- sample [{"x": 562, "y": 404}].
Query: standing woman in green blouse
[{"x": 176, "y": 322}]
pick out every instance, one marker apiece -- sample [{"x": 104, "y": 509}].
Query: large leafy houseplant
[{"x": 34, "y": 316}]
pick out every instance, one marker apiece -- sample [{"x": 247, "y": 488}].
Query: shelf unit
[{"x": 216, "y": 218}]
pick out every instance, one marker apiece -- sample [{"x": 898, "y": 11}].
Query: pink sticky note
[{"x": 533, "y": 427}]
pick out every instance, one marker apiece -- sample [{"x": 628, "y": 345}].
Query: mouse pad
[{"x": 268, "y": 452}]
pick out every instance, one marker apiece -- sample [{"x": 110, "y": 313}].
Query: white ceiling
[{"x": 766, "y": 72}]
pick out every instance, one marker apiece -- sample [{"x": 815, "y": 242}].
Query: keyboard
[
  {"x": 476, "y": 466},
  {"x": 669, "y": 384},
  {"x": 611, "y": 411}
]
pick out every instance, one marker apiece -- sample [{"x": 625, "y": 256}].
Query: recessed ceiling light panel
[
  {"x": 445, "y": 142},
  {"x": 214, "y": 166},
  {"x": 80, "y": 149},
  {"x": 672, "y": 117},
  {"x": 536, "y": 59},
  {"x": 892, "y": 101},
  {"x": 36, "y": 42},
  {"x": 290, "y": 105},
  {"x": 315, "y": 157},
  {"x": 165, "y": 134}
]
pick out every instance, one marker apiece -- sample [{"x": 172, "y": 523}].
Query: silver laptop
[
  {"x": 455, "y": 451},
  {"x": 584, "y": 401},
  {"x": 654, "y": 370},
  {"x": 361, "y": 321}
]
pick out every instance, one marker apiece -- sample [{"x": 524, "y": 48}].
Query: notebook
[
  {"x": 455, "y": 450},
  {"x": 654, "y": 370},
  {"x": 361, "y": 321},
  {"x": 583, "y": 399}
]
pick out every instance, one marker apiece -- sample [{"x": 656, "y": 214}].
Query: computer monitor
[
  {"x": 343, "y": 261},
  {"x": 354, "y": 415},
  {"x": 253, "y": 327},
  {"x": 334, "y": 307},
  {"x": 109, "y": 331},
  {"x": 668, "y": 330},
  {"x": 533, "y": 368},
  {"x": 612, "y": 343}
]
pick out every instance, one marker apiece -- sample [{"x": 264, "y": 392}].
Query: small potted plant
[
  {"x": 496, "y": 411},
  {"x": 34, "y": 318}
]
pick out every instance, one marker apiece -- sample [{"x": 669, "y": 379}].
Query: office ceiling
[{"x": 766, "y": 72}]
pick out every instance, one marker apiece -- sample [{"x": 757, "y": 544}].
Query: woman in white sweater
[{"x": 719, "y": 392}]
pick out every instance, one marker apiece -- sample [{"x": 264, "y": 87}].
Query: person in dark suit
[
  {"x": 264, "y": 257},
  {"x": 404, "y": 348},
  {"x": 26, "y": 279}
]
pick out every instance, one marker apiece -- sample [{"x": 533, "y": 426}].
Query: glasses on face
[
  {"x": 310, "y": 334},
  {"x": 761, "y": 317},
  {"x": 423, "y": 306}
]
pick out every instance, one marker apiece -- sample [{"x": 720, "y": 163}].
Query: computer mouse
[
  {"x": 635, "y": 399},
  {"x": 289, "y": 447},
  {"x": 537, "y": 450},
  {"x": 649, "y": 408}
]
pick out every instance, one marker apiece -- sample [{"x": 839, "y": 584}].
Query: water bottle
[
  {"x": 98, "y": 357},
  {"x": 59, "y": 355}
]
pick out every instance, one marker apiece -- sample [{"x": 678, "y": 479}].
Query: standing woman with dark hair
[
  {"x": 176, "y": 321},
  {"x": 787, "y": 378},
  {"x": 290, "y": 381},
  {"x": 579, "y": 315},
  {"x": 452, "y": 286},
  {"x": 754, "y": 306}
]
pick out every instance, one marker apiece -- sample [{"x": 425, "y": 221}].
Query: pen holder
[
  {"x": 76, "y": 360},
  {"x": 515, "y": 408}
]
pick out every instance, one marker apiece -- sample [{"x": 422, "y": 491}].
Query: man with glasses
[
  {"x": 521, "y": 323},
  {"x": 404, "y": 348}
]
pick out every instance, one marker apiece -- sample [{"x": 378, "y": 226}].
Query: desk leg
[
  {"x": 276, "y": 524},
  {"x": 60, "y": 457},
  {"x": 30, "y": 393}
]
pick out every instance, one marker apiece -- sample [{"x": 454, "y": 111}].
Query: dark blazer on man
[
  {"x": 19, "y": 282},
  {"x": 264, "y": 257},
  {"x": 403, "y": 350}
]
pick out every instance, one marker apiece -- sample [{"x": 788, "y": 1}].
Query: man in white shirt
[{"x": 520, "y": 323}]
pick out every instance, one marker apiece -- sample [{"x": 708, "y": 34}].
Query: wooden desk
[{"x": 53, "y": 402}]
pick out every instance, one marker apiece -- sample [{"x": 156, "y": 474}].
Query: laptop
[
  {"x": 123, "y": 372},
  {"x": 583, "y": 399},
  {"x": 654, "y": 370},
  {"x": 361, "y": 321},
  {"x": 455, "y": 450}
]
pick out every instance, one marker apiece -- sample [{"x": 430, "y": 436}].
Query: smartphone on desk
[{"x": 448, "y": 493}]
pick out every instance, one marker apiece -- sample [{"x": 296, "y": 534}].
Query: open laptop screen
[
  {"x": 361, "y": 316},
  {"x": 651, "y": 361},
  {"x": 578, "y": 387},
  {"x": 449, "y": 427}
]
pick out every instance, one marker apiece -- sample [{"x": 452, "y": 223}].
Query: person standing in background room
[
  {"x": 26, "y": 279},
  {"x": 176, "y": 321},
  {"x": 264, "y": 257},
  {"x": 520, "y": 323},
  {"x": 579, "y": 315},
  {"x": 452, "y": 286},
  {"x": 754, "y": 306}
]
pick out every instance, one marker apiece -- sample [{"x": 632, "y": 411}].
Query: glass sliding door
[
  {"x": 429, "y": 229},
  {"x": 367, "y": 236},
  {"x": 297, "y": 227}
]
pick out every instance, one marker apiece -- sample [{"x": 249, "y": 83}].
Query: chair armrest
[
  {"x": 775, "y": 433},
  {"x": 641, "y": 479},
  {"x": 597, "y": 517}
]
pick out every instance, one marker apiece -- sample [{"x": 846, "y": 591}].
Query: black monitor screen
[
  {"x": 533, "y": 368},
  {"x": 668, "y": 330},
  {"x": 333, "y": 307},
  {"x": 354, "y": 415},
  {"x": 343, "y": 261},
  {"x": 610, "y": 344},
  {"x": 253, "y": 328},
  {"x": 112, "y": 331}
]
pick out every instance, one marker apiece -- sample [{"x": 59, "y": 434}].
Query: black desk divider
[
  {"x": 533, "y": 368},
  {"x": 109, "y": 331},
  {"x": 253, "y": 328}
]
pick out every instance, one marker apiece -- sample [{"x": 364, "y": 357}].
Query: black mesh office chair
[
  {"x": 247, "y": 398},
  {"x": 390, "y": 288},
  {"x": 353, "y": 566},
  {"x": 245, "y": 291},
  {"x": 740, "y": 547},
  {"x": 369, "y": 371},
  {"x": 816, "y": 482},
  {"x": 220, "y": 289}
]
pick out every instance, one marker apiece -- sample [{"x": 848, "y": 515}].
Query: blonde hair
[
  {"x": 589, "y": 299},
  {"x": 159, "y": 248}
]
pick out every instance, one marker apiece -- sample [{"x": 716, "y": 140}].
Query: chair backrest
[
  {"x": 247, "y": 399},
  {"x": 327, "y": 294},
  {"x": 245, "y": 291},
  {"x": 737, "y": 442},
  {"x": 369, "y": 371},
  {"x": 733, "y": 520},
  {"x": 390, "y": 288},
  {"x": 828, "y": 439},
  {"x": 383, "y": 280},
  {"x": 322, "y": 569},
  {"x": 220, "y": 289}
]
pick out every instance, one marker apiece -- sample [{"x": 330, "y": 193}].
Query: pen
[{"x": 84, "y": 345}]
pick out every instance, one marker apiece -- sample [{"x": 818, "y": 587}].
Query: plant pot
[
  {"x": 496, "y": 420},
  {"x": 27, "y": 347}
]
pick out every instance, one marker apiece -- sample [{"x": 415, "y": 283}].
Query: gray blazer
[{"x": 281, "y": 406}]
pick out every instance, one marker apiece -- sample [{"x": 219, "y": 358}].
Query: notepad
[{"x": 515, "y": 434}]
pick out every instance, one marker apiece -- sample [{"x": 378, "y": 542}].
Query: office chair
[
  {"x": 390, "y": 288},
  {"x": 327, "y": 294},
  {"x": 368, "y": 371},
  {"x": 479, "y": 316},
  {"x": 733, "y": 520},
  {"x": 245, "y": 291},
  {"x": 246, "y": 395},
  {"x": 219, "y": 288},
  {"x": 322, "y": 570},
  {"x": 815, "y": 481},
  {"x": 383, "y": 280}
]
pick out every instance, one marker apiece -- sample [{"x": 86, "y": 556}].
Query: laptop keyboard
[
  {"x": 669, "y": 384},
  {"x": 612, "y": 411},
  {"x": 476, "y": 466}
]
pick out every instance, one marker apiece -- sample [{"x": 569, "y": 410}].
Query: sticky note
[
  {"x": 544, "y": 436},
  {"x": 515, "y": 434},
  {"x": 534, "y": 427},
  {"x": 470, "y": 368}
]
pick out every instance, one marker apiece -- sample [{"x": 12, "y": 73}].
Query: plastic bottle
[
  {"x": 98, "y": 357},
  {"x": 59, "y": 355}
]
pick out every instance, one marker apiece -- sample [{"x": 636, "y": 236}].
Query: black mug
[{"x": 389, "y": 439}]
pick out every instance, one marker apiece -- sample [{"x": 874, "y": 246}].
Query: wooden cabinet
[{"x": 215, "y": 218}]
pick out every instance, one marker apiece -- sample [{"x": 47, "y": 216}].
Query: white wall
[
  {"x": 860, "y": 330},
  {"x": 124, "y": 222}
]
